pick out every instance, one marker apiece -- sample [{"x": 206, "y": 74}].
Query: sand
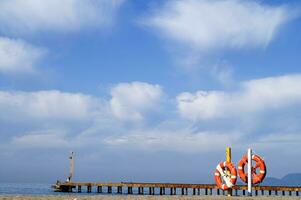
[{"x": 136, "y": 197}]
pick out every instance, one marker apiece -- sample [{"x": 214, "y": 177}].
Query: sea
[
  {"x": 32, "y": 189},
  {"x": 44, "y": 189},
  {"x": 26, "y": 189}
]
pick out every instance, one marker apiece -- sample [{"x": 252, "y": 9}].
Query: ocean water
[
  {"x": 26, "y": 189},
  {"x": 45, "y": 189}
]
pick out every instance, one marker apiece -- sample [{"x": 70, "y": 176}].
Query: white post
[
  {"x": 250, "y": 171},
  {"x": 71, "y": 158}
]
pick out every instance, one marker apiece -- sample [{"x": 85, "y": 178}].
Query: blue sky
[{"x": 147, "y": 90}]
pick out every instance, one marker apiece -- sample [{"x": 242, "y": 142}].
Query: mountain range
[{"x": 293, "y": 179}]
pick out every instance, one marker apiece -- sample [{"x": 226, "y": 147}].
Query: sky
[{"x": 150, "y": 91}]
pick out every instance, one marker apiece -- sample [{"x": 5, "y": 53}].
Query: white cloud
[
  {"x": 180, "y": 140},
  {"x": 280, "y": 138},
  {"x": 83, "y": 121},
  {"x": 45, "y": 105},
  {"x": 24, "y": 17},
  {"x": 20, "y": 18},
  {"x": 46, "y": 139},
  {"x": 132, "y": 101},
  {"x": 17, "y": 56},
  {"x": 208, "y": 25},
  {"x": 253, "y": 96}
]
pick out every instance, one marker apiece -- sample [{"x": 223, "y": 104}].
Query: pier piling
[{"x": 89, "y": 189}]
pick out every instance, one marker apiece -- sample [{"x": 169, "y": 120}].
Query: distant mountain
[{"x": 293, "y": 179}]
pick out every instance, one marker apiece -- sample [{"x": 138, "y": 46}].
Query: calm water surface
[{"x": 42, "y": 189}]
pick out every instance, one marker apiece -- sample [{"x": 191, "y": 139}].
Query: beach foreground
[{"x": 133, "y": 197}]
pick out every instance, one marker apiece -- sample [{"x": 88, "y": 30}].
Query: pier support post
[
  {"x": 270, "y": 192},
  {"x": 109, "y": 189},
  {"x": 290, "y": 193},
  {"x": 243, "y": 192},
  {"x": 186, "y": 191},
  {"x": 99, "y": 189},
  {"x": 297, "y": 193},
  {"x": 150, "y": 191},
  {"x": 171, "y": 191},
  {"x": 206, "y": 191},
  {"x": 262, "y": 192},
  {"x": 210, "y": 191},
  {"x": 79, "y": 189},
  {"x": 64, "y": 189},
  {"x": 217, "y": 191},
  {"x": 130, "y": 190},
  {"x": 183, "y": 191},
  {"x": 119, "y": 189},
  {"x": 161, "y": 191},
  {"x": 256, "y": 192},
  {"x": 199, "y": 191},
  {"x": 89, "y": 189},
  {"x": 283, "y": 193},
  {"x": 193, "y": 191}
]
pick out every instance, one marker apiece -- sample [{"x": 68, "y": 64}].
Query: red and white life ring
[
  {"x": 257, "y": 176},
  {"x": 222, "y": 179}
]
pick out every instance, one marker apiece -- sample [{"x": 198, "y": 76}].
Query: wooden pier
[{"x": 171, "y": 189}]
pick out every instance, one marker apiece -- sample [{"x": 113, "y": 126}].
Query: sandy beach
[{"x": 133, "y": 197}]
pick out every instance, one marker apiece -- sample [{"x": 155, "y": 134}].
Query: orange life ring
[
  {"x": 257, "y": 176},
  {"x": 222, "y": 179}
]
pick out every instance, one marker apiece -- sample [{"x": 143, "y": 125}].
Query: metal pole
[
  {"x": 228, "y": 159},
  {"x": 250, "y": 172}
]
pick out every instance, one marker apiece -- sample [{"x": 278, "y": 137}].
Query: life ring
[
  {"x": 257, "y": 176},
  {"x": 222, "y": 179}
]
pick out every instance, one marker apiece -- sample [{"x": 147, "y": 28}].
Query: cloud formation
[
  {"x": 209, "y": 25},
  {"x": 207, "y": 118},
  {"x": 253, "y": 96},
  {"x": 82, "y": 119},
  {"x": 132, "y": 101},
  {"x": 20, "y": 18},
  {"x": 49, "y": 139},
  {"x": 17, "y": 56},
  {"x": 180, "y": 141},
  {"x": 26, "y": 17},
  {"x": 46, "y": 105}
]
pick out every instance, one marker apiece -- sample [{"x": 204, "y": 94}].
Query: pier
[
  {"x": 132, "y": 188},
  {"x": 135, "y": 188}
]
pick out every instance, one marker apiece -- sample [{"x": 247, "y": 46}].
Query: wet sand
[{"x": 134, "y": 197}]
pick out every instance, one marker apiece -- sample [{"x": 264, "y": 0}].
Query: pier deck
[{"x": 172, "y": 189}]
